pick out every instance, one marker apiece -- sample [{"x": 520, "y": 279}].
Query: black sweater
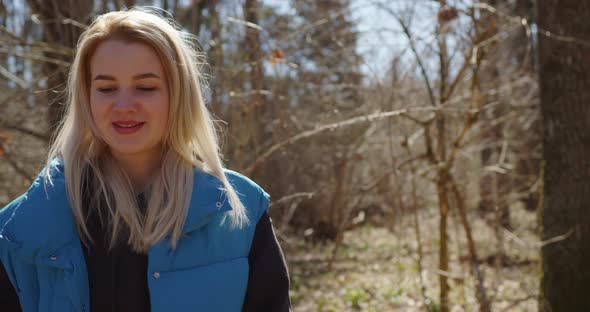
[{"x": 118, "y": 279}]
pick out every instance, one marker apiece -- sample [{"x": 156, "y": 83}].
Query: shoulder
[
  {"x": 209, "y": 198},
  {"x": 39, "y": 193},
  {"x": 253, "y": 195},
  {"x": 242, "y": 182},
  {"x": 43, "y": 207}
]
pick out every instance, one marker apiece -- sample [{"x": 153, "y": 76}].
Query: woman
[{"x": 134, "y": 210}]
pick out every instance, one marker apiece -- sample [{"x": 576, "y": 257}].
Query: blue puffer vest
[{"x": 208, "y": 271}]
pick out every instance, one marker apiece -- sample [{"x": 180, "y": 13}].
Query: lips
[{"x": 127, "y": 126}]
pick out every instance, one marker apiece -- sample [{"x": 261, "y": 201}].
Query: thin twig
[{"x": 331, "y": 127}]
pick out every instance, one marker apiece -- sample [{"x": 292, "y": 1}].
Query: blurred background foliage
[{"x": 400, "y": 140}]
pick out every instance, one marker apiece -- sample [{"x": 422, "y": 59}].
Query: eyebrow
[{"x": 136, "y": 77}]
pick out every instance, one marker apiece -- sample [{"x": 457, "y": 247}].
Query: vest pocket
[
  {"x": 56, "y": 276},
  {"x": 55, "y": 284},
  {"x": 219, "y": 286}
]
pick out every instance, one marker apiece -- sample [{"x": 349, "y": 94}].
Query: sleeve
[
  {"x": 268, "y": 281},
  {"x": 8, "y": 297}
]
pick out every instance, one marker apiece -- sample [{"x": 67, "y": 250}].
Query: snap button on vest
[
  {"x": 157, "y": 274},
  {"x": 53, "y": 257},
  {"x": 218, "y": 204}
]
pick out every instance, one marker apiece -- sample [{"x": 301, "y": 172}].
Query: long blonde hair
[{"x": 190, "y": 140}]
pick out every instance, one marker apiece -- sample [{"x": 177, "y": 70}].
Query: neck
[{"x": 140, "y": 167}]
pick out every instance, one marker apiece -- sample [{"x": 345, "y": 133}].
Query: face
[{"x": 128, "y": 97}]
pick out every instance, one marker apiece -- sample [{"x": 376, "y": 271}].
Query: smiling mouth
[
  {"x": 127, "y": 123},
  {"x": 127, "y": 127}
]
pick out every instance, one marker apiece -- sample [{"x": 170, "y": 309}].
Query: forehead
[{"x": 123, "y": 59}]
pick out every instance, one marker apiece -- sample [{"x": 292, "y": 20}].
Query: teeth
[{"x": 128, "y": 126}]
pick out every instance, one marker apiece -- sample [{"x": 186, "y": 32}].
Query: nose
[{"x": 125, "y": 102}]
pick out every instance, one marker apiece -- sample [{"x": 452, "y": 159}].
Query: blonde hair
[{"x": 190, "y": 140}]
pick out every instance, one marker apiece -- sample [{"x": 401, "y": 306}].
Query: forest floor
[{"x": 375, "y": 269}]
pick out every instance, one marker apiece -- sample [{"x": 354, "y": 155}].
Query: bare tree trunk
[
  {"x": 482, "y": 298},
  {"x": 104, "y": 5},
  {"x": 493, "y": 186},
  {"x": 175, "y": 7},
  {"x": 249, "y": 125},
  {"x": 443, "y": 254},
  {"x": 196, "y": 14},
  {"x": 55, "y": 31},
  {"x": 216, "y": 57},
  {"x": 255, "y": 58},
  {"x": 427, "y": 301},
  {"x": 442, "y": 182},
  {"x": 565, "y": 94},
  {"x": 527, "y": 168},
  {"x": 129, "y": 3},
  {"x": 340, "y": 166},
  {"x": 3, "y": 22}
]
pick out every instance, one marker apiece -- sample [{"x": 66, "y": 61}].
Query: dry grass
[{"x": 376, "y": 269}]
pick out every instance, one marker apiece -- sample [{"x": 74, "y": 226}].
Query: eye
[
  {"x": 106, "y": 90},
  {"x": 146, "y": 88}
]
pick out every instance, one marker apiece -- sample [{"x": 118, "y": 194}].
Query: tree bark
[
  {"x": 443, "y": 173},
  {"x": 443, "y": 254},
  {"x": 493, "y": 186},
  {"x": 252, "y": 110},
  {"x": 565, "y": 94},
  {"x": 216, "y": 56},
  {"x": 55, "y": 31},
  {"x": 254, "y": 55},
  {"x": 197, "y": 7}
]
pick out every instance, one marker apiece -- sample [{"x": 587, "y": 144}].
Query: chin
[{"x": 130, "y": 148}]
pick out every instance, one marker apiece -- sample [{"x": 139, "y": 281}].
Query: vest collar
[
  {"x": 40, "y": 222},
  {"x": 207, "y": 200}
]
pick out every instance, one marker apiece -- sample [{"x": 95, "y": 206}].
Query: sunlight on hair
[{"x": 190, "y": 141}]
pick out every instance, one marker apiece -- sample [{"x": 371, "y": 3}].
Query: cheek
[
  {"x": 97, "y": 112},
  {"x": 161, "y": 109},
  {"x": 164, "y": 114}
]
